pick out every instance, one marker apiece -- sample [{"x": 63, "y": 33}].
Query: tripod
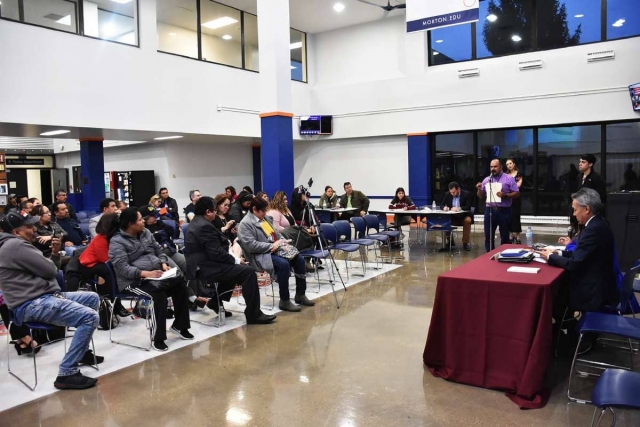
[{"x": 314, "y": 223}]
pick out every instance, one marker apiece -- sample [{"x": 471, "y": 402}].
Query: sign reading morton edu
[{"x": 423, "y": 15}]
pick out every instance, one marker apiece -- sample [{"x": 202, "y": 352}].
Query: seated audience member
[
  {"x": 107, "y": 206},
  {"x": 75, "y": 236},
  {"x": 590, "y": 264},
  {"x": 353, "y": 199},
  {"x": 223, "y": 220},
  {"x": 207, "y": 249},
  {"x": 189, "y": 211},
  {"x": 121, "y": 205},
  {"x": 247, "y": 189},
  {"x": 404, "y": 202},
  {"x": 170, "y": 205},
  {"x": 262, "y": 241},
  {"x": 12, "y": 204},
  {"x": 329, "y": 198},
  {"x": 231, "y": 193},
  {"x": 25, "y": 207},
  {"x": 46, "y": 230},
  {"x": 458, "y": 199},
  {"x": 93, "y": 260},
  {"x": 241, "y": 207},
  {"x": 263, "y": 195},
  {"x": 161, "y": 213},
  {"x": 61, "y": 197},
  {"x": 163, "y": 234},
  {"x": 30, "y": 289},
  {"x": 35, "y": 201},
  {"x": 139, "y": 261},
  {"x": 299, "y": 209},
  {"x": 279, "y": 212}
]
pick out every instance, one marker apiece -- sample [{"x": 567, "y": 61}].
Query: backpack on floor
[{"x": 105, "y": 310}]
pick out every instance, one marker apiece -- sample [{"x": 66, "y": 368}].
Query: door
[
  {"x": 17, "y": 180},
  {"x": 60, "y": 180}
]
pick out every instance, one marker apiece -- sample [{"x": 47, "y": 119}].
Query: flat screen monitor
[
  {"x": 634, "y": 91},
  {"x": 316, "y": 125}
]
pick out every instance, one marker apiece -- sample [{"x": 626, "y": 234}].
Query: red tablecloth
[{"x": 491, "y": 328}]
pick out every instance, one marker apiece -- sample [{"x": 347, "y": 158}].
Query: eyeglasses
[{"x": 226, "y": 205}]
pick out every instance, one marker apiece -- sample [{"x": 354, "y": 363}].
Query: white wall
[
  {"x": 207, "y": 167},
  {"x": 375, "y": 166},
  {"x": 366, "y": 70}
]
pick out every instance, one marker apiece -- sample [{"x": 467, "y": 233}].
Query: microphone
[
  {"x": 570, "y": 232},
  {"x": 310, "y": 183}
]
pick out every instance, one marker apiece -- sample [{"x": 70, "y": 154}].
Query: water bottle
[
  {"x": 529, "y": 237},
  {"x": 434, "y": 207}
]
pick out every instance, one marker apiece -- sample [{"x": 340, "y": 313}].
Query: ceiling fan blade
[
  {"x": 385, "y": 14},
  {"x": 400, "y": 6},
  {"x": 369, "y": 3}
]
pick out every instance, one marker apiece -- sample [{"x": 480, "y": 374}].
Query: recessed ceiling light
[
  {"x": 55, "y": 132},
  {"x": 121, "y": 1},
  {"x": 220, "y": 22},
  {"x": 172, "y": 34},
  {"x": 439, "y": 41},
  {"x": 435, "y": 53},
  {"x": 65, "y": 20},
  {"x": 516, "y": 38},
  {"x": 338, "y": 7},
  {"x": 168, "y": 137},
  {"x": 492, "y": 18},
  {"x": 296, "y": 45},
  {"x": 227, "y": 37},
  {"x": 580, "y": 15},
  {"x": 619, "y": 23}
]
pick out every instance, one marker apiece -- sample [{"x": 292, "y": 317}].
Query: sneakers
[
  {"x": 76, "y": 381},
  {"x": 160, "y": 346},
  {"x": 184, "y": 334},
  {"x": 87, "y": 359},
  {"x": 289, "y": 306}
]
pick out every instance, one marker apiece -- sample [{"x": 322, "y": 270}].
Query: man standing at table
[
  {"x": 457, "y": 200},
  {"x": 499, "y": 189}
]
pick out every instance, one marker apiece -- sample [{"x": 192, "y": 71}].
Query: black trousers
[
  {"x": 159, "y": 291},
  {"x": 246, "y": 277}
]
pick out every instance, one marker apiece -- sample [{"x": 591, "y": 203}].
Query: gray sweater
[
  {"x": 25, "y": 273},
  {"x": 132, "y": 255}
]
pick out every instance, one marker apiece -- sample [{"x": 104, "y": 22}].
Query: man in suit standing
[
  {"x": 207, "y": 249},
  {"x": 457, "y": 200},
  {"x": 590, "y": 264}
]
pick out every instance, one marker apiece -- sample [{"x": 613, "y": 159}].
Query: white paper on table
[
  {"x": 539, "y": 259},
  {"x": 530, "y": 270},
  {"x": 492, "y": 190}
]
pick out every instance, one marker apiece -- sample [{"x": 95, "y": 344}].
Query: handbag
[
  {"x": 300, "y": 237},
  {"x": 287, "y": 252}
]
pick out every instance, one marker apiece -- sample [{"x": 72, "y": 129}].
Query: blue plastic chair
[
  {"x": 440, "y": 224},
  {"x": 343, "y": 229},
  {"x": 331, "y": 235},
  {"x": 81, "y": 215},
  {"x": 84, "y": 226},
  {"x": 616, "y": 388}
]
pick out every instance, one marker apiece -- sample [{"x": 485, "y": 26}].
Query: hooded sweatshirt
[{"x": 25, "y": 274}]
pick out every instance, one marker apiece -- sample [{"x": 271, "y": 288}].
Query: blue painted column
[
  {"x": 277, "y": 152},
  {"x": 420, "y": 167},
  {"x": 257, "y": 168},
  {"x": 92, "y": 173}
]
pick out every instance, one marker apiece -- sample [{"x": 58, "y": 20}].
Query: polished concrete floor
[{"x": 360, "y": 365}]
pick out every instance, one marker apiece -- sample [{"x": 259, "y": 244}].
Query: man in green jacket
[{"x": 353, "y": 199}]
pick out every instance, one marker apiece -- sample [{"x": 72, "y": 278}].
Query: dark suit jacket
[
  {"x": 466, "y": 200},
  {"x": 595, "y": 182},
  {"x": 358, "y": 200},
  {"x": 172, "y": 208},
  {"x": 593, "y": 282},
  {"x": 206, "y": 248}
]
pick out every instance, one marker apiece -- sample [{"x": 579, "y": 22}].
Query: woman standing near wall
[{"x": 516, "y": 227}]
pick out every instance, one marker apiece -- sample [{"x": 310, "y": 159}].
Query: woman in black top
[
  {"x": 224, "y": 223},
  {"x": 516, "y": 205}
]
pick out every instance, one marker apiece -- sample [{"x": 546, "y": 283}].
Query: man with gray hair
[
  {"x": 190, "y": 210},
  {"x": 590, "y": 264}
]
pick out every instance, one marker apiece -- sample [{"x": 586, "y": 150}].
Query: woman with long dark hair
[
  {"x": 404, "y": 202},
  {"x": 516, "y": 206},
  {"x": 279, "y": 211},
  {"x": 231, "y": 193}
]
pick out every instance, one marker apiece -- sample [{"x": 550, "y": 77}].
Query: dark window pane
[
  {"x": 453, "y": 162},
  {"x": 221, "y": 34},
  {"x": 623, "y": 156},
  {"x": 178, "y": 27},
  {"x": 111, "y": 21},
  {"x": 298, "y": 55},
  {"x": 568, "y": 22},
  {"x": 515, "y": 144},
  {"x": 559, "y": 151},
  {"x": 505, "y": 27},
  {"x": 251, "y": 51},
  {"x": 622, "y": 19},
  {"x": 451, "y": 44},
  {"x": 58, "y": 14}
]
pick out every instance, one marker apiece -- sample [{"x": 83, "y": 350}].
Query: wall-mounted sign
[
  {"x": 25, "y": 162},
  {"x": 423, "y": 15}
]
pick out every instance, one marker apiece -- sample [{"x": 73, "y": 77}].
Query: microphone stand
[{"x": 492, "y": 234}]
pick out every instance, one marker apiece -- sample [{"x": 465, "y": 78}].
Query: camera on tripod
[{"x": 305, "y": 190}]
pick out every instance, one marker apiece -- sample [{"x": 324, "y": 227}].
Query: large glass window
[
  {"x": 178, "y": 27},
  {"x": 559, "y": 151},
  {"x": 622, "y": 19},
  {"x": 298, "y": 55},
  {"x": 251, "y": 51},
  {"x": 451, "y": 44},
  {"x": 109, "y": 20},
  {"x": 454, "y": 162},
  {"x": 568, "y": 22},
  {"x": 505, "y": 27},
  {"x": 57, "y": 14},
  {"x": 221, "y": 34},
  {"x": 515, "y": 144},
  {"x": 623, "y": 156}
]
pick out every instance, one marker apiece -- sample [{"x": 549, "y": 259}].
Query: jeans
[
  {"x": 282, "y": 267},
  {"x": 76, "y": 309},
  {"x": 501, "y": 219}
]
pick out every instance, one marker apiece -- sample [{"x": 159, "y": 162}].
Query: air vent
[
  {"x": 530, "y": 65},
  {"x": 601, "y": 56},
  {"x": 469, "y": 72},
  {"x": 632, "y": 218},
  {"x": 54, "y": 17}
]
